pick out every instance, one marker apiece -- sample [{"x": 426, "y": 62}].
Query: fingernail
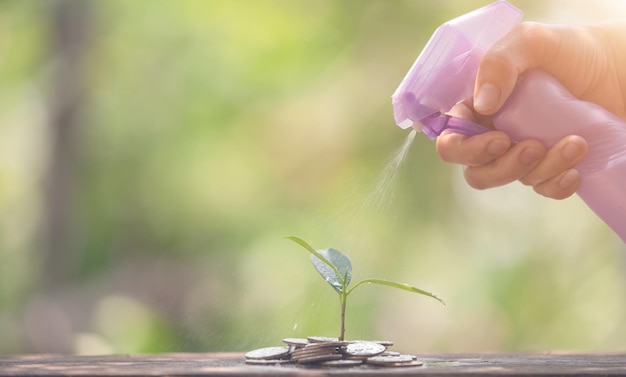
[
  {"x": 569, "y": 178},
  {"x": 570, "y": 151},
  {"x": 530, "y": 156},
  {"x": 497, "y": 147},
  {"x": 487, "y": 98}
]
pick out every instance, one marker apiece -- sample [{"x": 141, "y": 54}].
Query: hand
[
  {"x": 491, "y": 159},
  {"x": 587, "y": 61}
]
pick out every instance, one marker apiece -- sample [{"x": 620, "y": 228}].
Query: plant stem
[
  {"x": 343, "y": 321},
  {"x": 343, "y": 316}
]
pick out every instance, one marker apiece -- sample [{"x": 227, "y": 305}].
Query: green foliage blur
[{"x": 205, "y": 131}]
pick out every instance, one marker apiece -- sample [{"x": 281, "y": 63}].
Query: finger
[
  {"x": 564, "y": 155},
  {"x": 465, "y": 110},
  {"x": 517, "y": 162},
  {"x": 472, "y": 150},
  {"x": 525, "y": 47},
  {"x": 560, "y": 187}
]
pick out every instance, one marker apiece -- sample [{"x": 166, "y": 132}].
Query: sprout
[{"x": 336, "y": 269}]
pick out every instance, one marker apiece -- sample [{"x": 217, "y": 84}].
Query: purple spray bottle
[{"x": 539, "y": 107}]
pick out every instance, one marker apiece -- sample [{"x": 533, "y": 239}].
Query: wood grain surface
[{"x": 233, "y": 364}]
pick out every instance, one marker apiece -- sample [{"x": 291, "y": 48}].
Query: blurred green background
[{"x": 154, "y": 153}]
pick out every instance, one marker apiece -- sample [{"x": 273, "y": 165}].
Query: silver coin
[
  {"x": 321, "y": 339},
  {"x": 329, "y": 344},
  {"x": 356, "y": 358},
  {"x": 269, "y": 353},
  {"x": 386, "y": 343},
  {"x": 266, "y": 362},
  {"x": 319, "y": 358},
  {"x": 313, "y": 351},
  {"x": 363, "y": 349},
  {"x": 411, "y": 364},
  {"x": 304, "y": 353},
  {"x": 394, "y": 361},
  {"x": 389, "y": 359},
  {"x": 390, "y": 353},
  {"x": 342, "y": 363},
  {"x": 296, "y": 342}
]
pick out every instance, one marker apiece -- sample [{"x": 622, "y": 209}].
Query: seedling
[{"x": 336, "y": 268}]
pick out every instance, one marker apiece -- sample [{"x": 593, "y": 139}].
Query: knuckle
[
  {"x": 446, "y": 149},
  {"x": 552, "y": 192},
  {"x": 476, "y": 180},
  {"x": 532, "y": 30},
  {"x": 530, "y": 180},
  {"x": 538, "y": 40},
  {"x": 472, "y": 180}
]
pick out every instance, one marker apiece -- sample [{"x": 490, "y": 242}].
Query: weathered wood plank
[{"x": 233, "y": 364}]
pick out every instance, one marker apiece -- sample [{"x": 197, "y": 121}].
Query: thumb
[{"x": 522, "y": 49}]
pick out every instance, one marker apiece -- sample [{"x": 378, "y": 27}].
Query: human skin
[{"x": 589, "y": 61}]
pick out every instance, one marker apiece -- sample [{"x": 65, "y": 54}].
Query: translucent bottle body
[{"x": 541, "y": 108}]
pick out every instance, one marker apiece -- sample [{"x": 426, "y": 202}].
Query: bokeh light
[{"x": 154, "y": 153}]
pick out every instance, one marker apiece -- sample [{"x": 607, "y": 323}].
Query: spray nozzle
[{"x": 444, "y": 72}]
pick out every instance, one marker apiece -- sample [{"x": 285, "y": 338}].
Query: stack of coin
[
  {"x": 269, "y": 356},
  {"x": 318, "y": 352},
  {"x": 331, "y": 353},
  {"x": 394, "y": 361}
]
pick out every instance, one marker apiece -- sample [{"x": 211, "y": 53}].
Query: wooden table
[{"x": 233, "y": 364}]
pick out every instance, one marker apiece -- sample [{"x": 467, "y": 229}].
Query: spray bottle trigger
[
  {"x": 465, "y": 127},
  {"x": 434, "y": 124}
]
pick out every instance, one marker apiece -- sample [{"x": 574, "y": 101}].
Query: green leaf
[
  {"x": 394, "y": 284},
  {"x": 339, "y": 276},
  {"x": 328, "y": 276},
  {"x": 334, "y": 266}
]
